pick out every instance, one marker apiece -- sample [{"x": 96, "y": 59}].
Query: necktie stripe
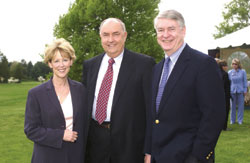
[
  {"x": 103, "y": 95},
  {"x": 162, "y": 83}
]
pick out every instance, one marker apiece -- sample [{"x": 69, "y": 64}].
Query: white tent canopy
[{"x": 237, "y": 38}]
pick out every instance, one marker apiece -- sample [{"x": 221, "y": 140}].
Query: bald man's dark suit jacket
[
  {"x": 128, "y": 115},
  {"x": 45, "y": 124},
  {"x": 191, "y": 113}
]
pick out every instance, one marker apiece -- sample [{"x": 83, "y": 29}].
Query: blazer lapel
[
  {"x": 53, "y": 98},
  {"x": 74, "y": 99},
  {"x": 93, "y": 71},
  {"x": 124, "y": 74},
  {"x": 155, "y": 85},
  {"x": 176, "y": 73}
]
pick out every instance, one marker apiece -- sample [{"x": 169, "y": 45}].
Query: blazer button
[
  {"x": 157, "y": 121},
  {"x": 207, "y": 158}
]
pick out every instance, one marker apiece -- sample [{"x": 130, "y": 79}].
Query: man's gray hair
[
  {"x": 170, "y": 14},
  {"x": 113, "y": 19}
]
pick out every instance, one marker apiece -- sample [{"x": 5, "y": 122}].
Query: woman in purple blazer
[
  {"x": 55, "y": 111},
  {"x": 238, "y": 80}
]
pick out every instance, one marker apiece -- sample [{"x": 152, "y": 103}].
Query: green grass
[
  {"x": 233, "y": 146},
  {"x": 14, "y": 146}
]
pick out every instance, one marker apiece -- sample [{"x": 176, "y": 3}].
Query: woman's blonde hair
[
  {"x": 63, "y": 46},
  {"x": 237, "y": 61}
]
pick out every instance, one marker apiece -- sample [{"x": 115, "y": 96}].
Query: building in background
[{"x": 234, "y": 45}]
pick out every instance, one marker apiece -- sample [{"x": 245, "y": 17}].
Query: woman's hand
[{"x": 70, "y": 136}]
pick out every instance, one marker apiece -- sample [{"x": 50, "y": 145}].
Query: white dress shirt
[
  {"x": 173, "y": 59},
  {"x": 67, "y": 109},
  {"x": 102, "y": 72}
]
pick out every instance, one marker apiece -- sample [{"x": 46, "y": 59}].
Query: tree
[
  {"x": 236, "y": 16},
  {"x": 4, "y": 68},
  {"x": 40, "y": 69},
  {"x": 29, "y": 70},
  {"x": 16, "y": 70},
  {"x": 25, "y": 66},
  {"x": 80, "y": 26}
]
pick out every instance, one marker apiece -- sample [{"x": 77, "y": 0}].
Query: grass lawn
[
  {"x": 233, "y": 146},
  {"x": 14, "y": 146}
]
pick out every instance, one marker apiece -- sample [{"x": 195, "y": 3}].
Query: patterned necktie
[
  {"x": 163, "y": 83},
  {"x": 103, "y": 96}
]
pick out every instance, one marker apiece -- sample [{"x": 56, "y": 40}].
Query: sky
[{"x": 27, "y": 25}]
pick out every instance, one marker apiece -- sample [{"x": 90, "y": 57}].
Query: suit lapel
[
  {"x": 124, "y": 74},
  {"x": 155, "y": 85},
  {"x": 53, "y": 98},
  {"x": 93, "y": 71},
  {"x": 176, "y": 73},
  {"x": 74, "y": 98}
]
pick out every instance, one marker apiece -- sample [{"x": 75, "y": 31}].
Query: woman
[
  {"x": 238, "y": 79},
  {"x": 55, "y": 111}
]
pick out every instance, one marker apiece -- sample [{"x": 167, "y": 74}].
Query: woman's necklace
[{"x": 62, "y": 90}]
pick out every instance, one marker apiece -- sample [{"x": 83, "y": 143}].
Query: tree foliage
[
  {"x": 29, "y": 70},
  {"x": 22, "y": 70},
  {"x": 4, "y": 69},
  {"x": 80, "y": 26},
  {"x": 40, "y": 69},
  {"x": 236, "y": 16},
  {"x": 16, "y": 70}
]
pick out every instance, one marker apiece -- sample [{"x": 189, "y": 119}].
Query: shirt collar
[
  {"x": 176, "y": 54},
  {"x": 235, "y": 70},
  {"x": 117, "y": 59}
]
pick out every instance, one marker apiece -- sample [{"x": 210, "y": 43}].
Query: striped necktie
[
  {"x": 162, "y": 83},
  {"x": 103, "y": 95}
]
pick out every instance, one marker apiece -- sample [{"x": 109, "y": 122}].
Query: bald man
[{"x": 118, "y": 83}]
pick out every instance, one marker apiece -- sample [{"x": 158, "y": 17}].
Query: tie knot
[
  {"x": 167, "y": 60},
  {"x": 111, "y": 61}
]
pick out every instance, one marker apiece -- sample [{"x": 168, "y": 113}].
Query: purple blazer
[
  {"x": 45, "y": 124},
  {"x": 238, "y": 80}
]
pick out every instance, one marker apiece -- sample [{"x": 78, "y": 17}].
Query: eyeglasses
[{"x": 234, "y": 64}]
